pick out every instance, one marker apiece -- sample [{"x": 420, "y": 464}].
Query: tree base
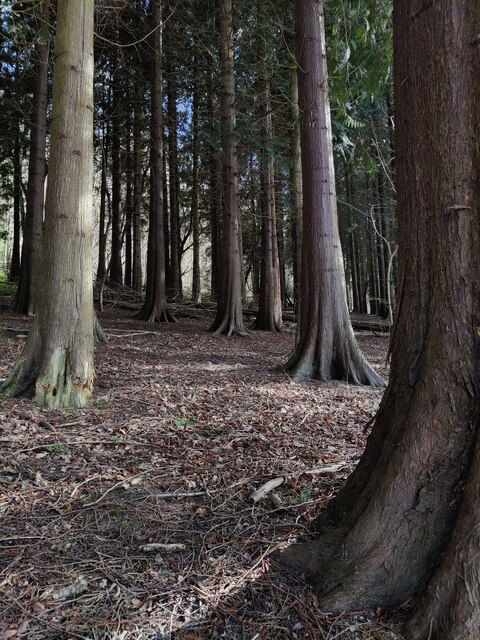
[
  {"x": 229, "y": 329},
  {"x": 163, "y": 315},
  {"x": 56, "y": 387},
  {"x": 21, "y": 382}
]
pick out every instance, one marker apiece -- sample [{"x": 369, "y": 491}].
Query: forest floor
[{"x": 183, "y": 427}]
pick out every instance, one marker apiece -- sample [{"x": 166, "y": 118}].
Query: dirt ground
[{"x": 183, "y": 427}]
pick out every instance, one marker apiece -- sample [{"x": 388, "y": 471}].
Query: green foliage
[
  {"x": 57, "y": 446},
  {"x": 304, "y": 496},
  {"x": 185, "y": 422}
]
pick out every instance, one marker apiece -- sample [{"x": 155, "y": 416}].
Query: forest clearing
[{"x": 182, "y": 429}]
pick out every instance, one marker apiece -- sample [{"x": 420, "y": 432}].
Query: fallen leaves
[{"x": 183, "y": 429}]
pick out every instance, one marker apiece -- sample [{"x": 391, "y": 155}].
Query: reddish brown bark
[
  {"x": 155, "y": 306},
  {"x": 229, "y": 319},
  {"x": 326, "y": 346},
  {"x": 411, "y": 508},
  {"x": 269, "y": 316}
]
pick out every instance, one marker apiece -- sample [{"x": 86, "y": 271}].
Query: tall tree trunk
[
  {"x": 103, "y": 221},
  {"x": 196, "y": 283},
  {"x": 269, "y": 317},
  {"x": 17, "y": 201},
  {"x": 297, "y": 192},
  {"x": 254, "y": 214},
  {"x": 175, "y": 284},
  {"x": 229, "y": 319},
  {"x": 380, "y": 241},
  {"x": 155, "y": 306},
  {"x": 128, "y": 211},
  {"x": 326, "y": 347},
  {"x": 28, "y": 285},
  {"x": 411, "y": 507},
  {"x": 137, "y": 187},
  {"x": 57, "y": 363},
  {"x": 116, "y": 267}
]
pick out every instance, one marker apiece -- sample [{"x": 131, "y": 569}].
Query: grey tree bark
[{"x": 57, "y": 363}]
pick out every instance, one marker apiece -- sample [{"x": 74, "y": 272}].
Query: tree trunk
[
  {"x": 137, "y": 187},
  {"x": 410, "y": 509},
  {"x": 175, "y": 284},
  {"x": 57, "y": 363},
  {"x": 269, "y": 317},
  {"x": 229, "y": 319},
  {"x": 116, "y": 268},
  {"x": 103, "y": 221},
  {"x": 128, "y": 210},
  {"x": 155, "y": 306},
  {"x": 296, "y": 181},
  {"x": 17, "y": 201},
  {"x": 28, "y": 285},
  {"x": 196, "y": 283},
  {"x": 326, "y": 347}
]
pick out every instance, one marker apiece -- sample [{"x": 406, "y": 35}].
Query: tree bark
[
  {"x": 116, "y": 267},
  {"x": 326, "y": 347},
  {"x": 17, "y": 201},
  {"x": 57, "y": 363},
  {"x": 103, "y": 220},
  {"x": 229, "y": 319},
  {"x": 269, "y": 316},
  {"x": 28, "y": 285},
  {"x": 196, "y": 282},
  {"x": 174, "y": 286},
  {"x": 155, "y": 306},
  {"x": 410, "y": 509},
  {"x": 296, "y": 181},
  {"x": 137, "y": 187}
]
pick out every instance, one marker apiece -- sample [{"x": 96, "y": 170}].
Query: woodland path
[{"x": 182, "y": 428}]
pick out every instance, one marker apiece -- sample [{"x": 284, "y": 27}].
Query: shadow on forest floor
[{"x": 182, "y": 428}]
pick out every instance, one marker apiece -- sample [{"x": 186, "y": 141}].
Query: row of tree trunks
[
  {"x": 28, "y": 285},
  {"x": 269, "y": 317},
  {"x": 408, "y": 515}
]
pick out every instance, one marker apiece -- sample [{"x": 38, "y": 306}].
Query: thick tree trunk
[
  {"x": 326, "y": 347},
  {"x": 269, "y": 317},
  {"x": 411, "y": 508},
  {"x": 28, "y": 285},
  {"x": 155, "y": 306},
  {"x": 229, "y": 319},
  {"x": 57, "y": 363}
]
